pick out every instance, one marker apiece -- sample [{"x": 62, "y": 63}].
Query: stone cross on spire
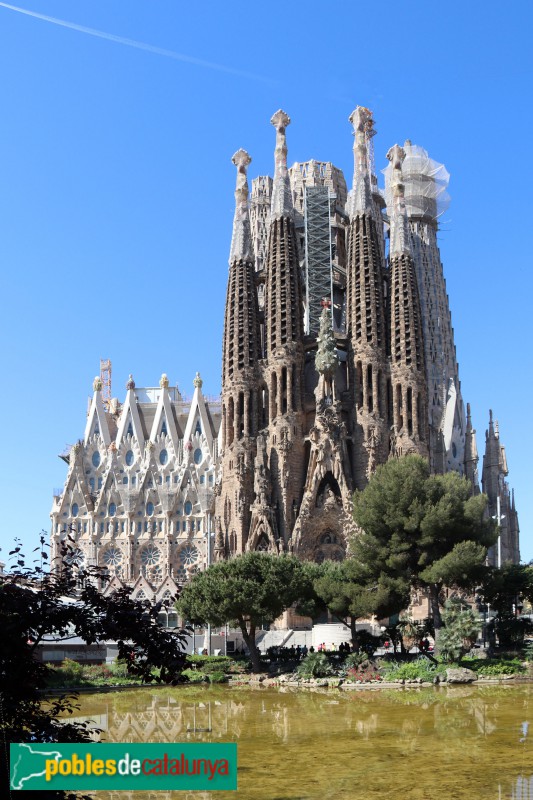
[
  {"x": 241, "y": 239},
  {"x": 399, "y": 226},
  {"x": 281, "y": 191},
  {"x": 360, "y": 199}
]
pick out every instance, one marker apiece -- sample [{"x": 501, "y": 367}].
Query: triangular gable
[
  {"x": 164, "y": 414},
  {"x": 113, "y": 586},
  {"x": 130, "y": 413},
  {"x": 141, "y": 584},
  {"x": 98, "y": 418},
  {"x": 168, "y": 585},
  {"x": 198, "y": 409}
]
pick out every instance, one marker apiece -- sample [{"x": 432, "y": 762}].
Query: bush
[
  {"x": 494, "y": 667},
  {"x": 365, "y": 670},
  {"x": 194, "y": 676},
  {"x": 314, "y": 665},
  {"x": 217, "y": 677},
  {"x": 208, "y": 664},
  {"x": 461, "y": 627},
  {"x": 119, "y": 668},
  {"x": 528, "y": 651},
  {"x": 355, "y": 660},
  {"x": 419, "y": 669}
]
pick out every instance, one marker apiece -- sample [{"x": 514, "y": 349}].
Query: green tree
[
  {"x": 461, "y": 628},
  {"x": 350, "y": 593},
  {"x": 247, "y": 590},
  {"x": 425, "y": 528},
  {"x": 36, "y": 604},
  {"x": 505, "y": 590}
]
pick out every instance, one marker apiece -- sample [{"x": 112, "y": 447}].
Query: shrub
[
  {"x": 421, "y": 668},
  {"x": 355, "y": 660},
  {"x": 314, "y": 665},
  {"x": 217, "y": 677},
  {"x": 194, "y": 676},
  {"x": 119, "y": 668},
  {"x": 365, "y": 670},
  {"x": 528, "y": 651},
  {"x": 494, "y": 667},
  {"x": 461, "y": 627},
  {"x": 208, "y": 664}
]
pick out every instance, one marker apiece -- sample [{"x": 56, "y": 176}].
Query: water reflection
[{"x": 425, "y": 744}]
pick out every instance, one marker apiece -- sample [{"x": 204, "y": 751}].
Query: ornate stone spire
[
  {"x": 326, "y": 359},
  {"x": 360, "y": 199},
  {"x": 471, "y": 455},
  {"x": 281, "y": 192},
  {"x": 399, "y": 226},
  {"x": 241, "y": 240}
]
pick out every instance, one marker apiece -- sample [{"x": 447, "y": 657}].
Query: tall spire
[
  {"x": 281, "y": 192},
  {"x": 399, "y": 228},
  {"x": 360, "y": 199},
  {"x": 471, "y": 457},
  {"x": 241, "y": 240}
]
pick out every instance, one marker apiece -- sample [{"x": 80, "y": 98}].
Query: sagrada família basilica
[{"x": 337, "y": 354}]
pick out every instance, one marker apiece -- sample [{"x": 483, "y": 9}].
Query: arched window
[
  {"x": 74, "y": 510},
  {"x": 163, "y": 457},
  {"x": 198, "y": 455},
  {"x": 150, "y": 508},
  {"x": 130, "y": 458},
  {"x": 112, "y": 509},
  {"x": 96, "y": 459},
  {"x": 188, "y": 507}
]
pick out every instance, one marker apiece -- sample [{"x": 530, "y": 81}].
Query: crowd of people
[{"x": 297, "y": 653}]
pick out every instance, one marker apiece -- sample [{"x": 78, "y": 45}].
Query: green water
[{"x": 454, "y": 743}]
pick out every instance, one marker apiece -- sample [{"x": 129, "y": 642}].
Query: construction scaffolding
[
  {"x": 318, "y": 273},
  {"x": 425, "y": 181}
]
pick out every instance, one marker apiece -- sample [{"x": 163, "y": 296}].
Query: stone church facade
[
  {"x": 338, "y": 349},
  {"x": 337, "y": 355}
]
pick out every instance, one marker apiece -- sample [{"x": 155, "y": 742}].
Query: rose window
[
  {"x": 150, "y": 556},
  {"x": 188, "y": 555},
  {"x": 112, "y": 557},
  {"x": 75, "y": 557},
  {"x": 181, "y": 574}
]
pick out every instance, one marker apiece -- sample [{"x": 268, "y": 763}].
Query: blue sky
[{"x": 116, "y": 193}]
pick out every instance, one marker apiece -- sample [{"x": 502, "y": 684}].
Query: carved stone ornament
[
  {"x": 97, "y": 384},
  {"x": 131, "y": 383},
  {"x": 198, "y": 382},
  {"x": 163, "y": 381}
]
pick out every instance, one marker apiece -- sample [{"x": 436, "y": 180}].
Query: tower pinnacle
[
  {"x": 241, "y": 240},
  {"x": 360, "y": 197},
  {"x": 399, "y": 230},
  {"x": 281, "y": 192}
]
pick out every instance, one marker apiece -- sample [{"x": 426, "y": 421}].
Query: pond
[{"x": 447, "y": 743}]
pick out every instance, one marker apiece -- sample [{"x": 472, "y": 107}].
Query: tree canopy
[
  {"x": 345, "y": 589},
  {"x": 427, "y": 528},
  {"x": 35, "y": 604},
  {"x": 248, "y": 590}
]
